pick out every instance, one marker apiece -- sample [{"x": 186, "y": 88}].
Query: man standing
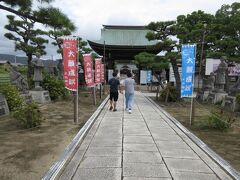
[
  {"x": 114, "y": 87},
  {"x": 129, "y": 91}
]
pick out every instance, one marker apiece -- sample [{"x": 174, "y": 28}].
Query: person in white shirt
[{"x": 128, "y": 84}]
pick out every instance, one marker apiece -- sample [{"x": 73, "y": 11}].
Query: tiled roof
[{"x": 125, "y": 36}]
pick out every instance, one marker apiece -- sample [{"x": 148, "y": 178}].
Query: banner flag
[
  {"x": 98, "y": 67},
  {"x": 149, "y": 76},
  {"x": 102, "y": 73},
  {"x": 188, "y": 70},
  {"x": 70, "y": 74},
  {"x": 88, "y": 70}
]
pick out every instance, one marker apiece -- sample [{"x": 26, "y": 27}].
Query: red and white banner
[
  {"x": 88, "y": 70},
  {"x": 70, "y": 74},
  {"x": 102, "y": 73},
  {"x": 98, "y": 67}
]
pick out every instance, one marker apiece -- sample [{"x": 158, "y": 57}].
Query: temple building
[{"x": 119, "y": 45}]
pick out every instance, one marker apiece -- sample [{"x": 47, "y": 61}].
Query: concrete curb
[
  {"x": 219, "y": 160},
  {"x": 68, "y": 153}
]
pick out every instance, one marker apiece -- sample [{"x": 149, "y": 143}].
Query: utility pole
[{"x": 201, "y": 56}]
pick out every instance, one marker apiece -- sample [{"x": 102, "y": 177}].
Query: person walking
[
  {"x": 128, "y": 84},
  {"x": 114, "y": 87}
]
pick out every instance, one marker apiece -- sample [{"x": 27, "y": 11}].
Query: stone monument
[
  {"x": 3, "y": 106},
  {"x": 229, "y": 101},
  {"x": 208, "y": 86},
  {"x": 37, "y": 76},
  {"x": 218, "y": 92},
  {"x": 38, "y": 93},
  {"x": 17, "y": 79},
  {"x": 221, "y": 74},
  {"x": 208, "y": 83}
]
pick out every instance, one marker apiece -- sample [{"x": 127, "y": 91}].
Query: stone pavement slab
[
  {"x": 142, "y": 157},
  {"x": 98, "y": 174},
  {"x": 97, "y": 162},
  {"x": 145, "y": 170},
  {"x": 193, "y": 175},
  {"x": 144, "y": 145},
  {"x": 138, "y": 139}
]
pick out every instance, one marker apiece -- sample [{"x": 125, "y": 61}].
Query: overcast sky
[{"x": 90, "y": 15}]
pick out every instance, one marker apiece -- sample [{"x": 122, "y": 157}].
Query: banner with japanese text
[
  {"x": 188, "y": 70},
  {"x": 88, "y": 70},
  {"x": 102, "y": 73},
  {"x": 98, "y": 67},
  {"x": 149, "y": 76},
  {"x": 70, "y": 74}
]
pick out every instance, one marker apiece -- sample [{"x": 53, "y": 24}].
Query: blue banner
[
  {"x": 149, "y": 76},
  {"x": 188, "y": 70}
]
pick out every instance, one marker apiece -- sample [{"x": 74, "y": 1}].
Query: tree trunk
[
  {"x": 226, "y": 88},
  {"x": 159, "y": 85},
  {"x": 30, "y": 69},
  {"x": 176, "y": 75}
]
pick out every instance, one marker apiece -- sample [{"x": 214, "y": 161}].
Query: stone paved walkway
[{"x": 144, "y": 145}]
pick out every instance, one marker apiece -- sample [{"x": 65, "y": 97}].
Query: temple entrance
[
  {"x": 120, "y": 44},
  {"x": 124, "y": 70}
]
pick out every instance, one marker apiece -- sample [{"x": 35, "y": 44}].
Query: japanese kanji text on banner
[
  {"x": 70, "y": 64},
  {"x": 188, "y": 70},
  {"x": 88, "y": 70},
  {"x": 98, "y": 64}
]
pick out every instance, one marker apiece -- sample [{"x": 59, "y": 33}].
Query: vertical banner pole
[
  {"x": 101, "y": 91},
  {"x": 94, "y": 94},
  {"x": 98, "y": 75},
  {"x": 70, "y": 64},
  {"x": 188, "y": 72},
  {"x": 76, "y": 93},
  {"x": 105, "y": 74},
  {"x": 192, "y": 114},
  {"x": 192, "y": 110}
]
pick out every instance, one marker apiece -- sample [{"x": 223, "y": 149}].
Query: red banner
[
  {"x": 88, "y": 70},
  {"x": 70, "y": 75},
  {"x": 102, "y": 73},
  {"x": 98, "y": 67}
]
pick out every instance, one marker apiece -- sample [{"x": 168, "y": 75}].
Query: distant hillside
[{"x": 23, "y": 60}]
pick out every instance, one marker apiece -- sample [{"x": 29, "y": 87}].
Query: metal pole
[
  {"x": 104, "y": 84},
  {"x": 101, "y": 91},
  {"x": 94, "y": 95},
  {"x": 76, "y": 93},
  {"x": 192, "y": 110}
]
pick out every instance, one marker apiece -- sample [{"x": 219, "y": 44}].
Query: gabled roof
[
  {"x": 123, "y": 27},
  {"x": 124, "y": 36}
]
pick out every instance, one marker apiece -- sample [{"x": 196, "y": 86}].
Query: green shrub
[
  {"x": 12, "y": 96},
  {"x": 3, "y": 69},
  {"x": 55, "y": 87},
  {"x": 220, "y": 120},
  {"x": 28, "y": 115},
  {"x": 172, "y": 93},
  {"x": 23, "y": 70},
  {"x": 238, "y": 98}
]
